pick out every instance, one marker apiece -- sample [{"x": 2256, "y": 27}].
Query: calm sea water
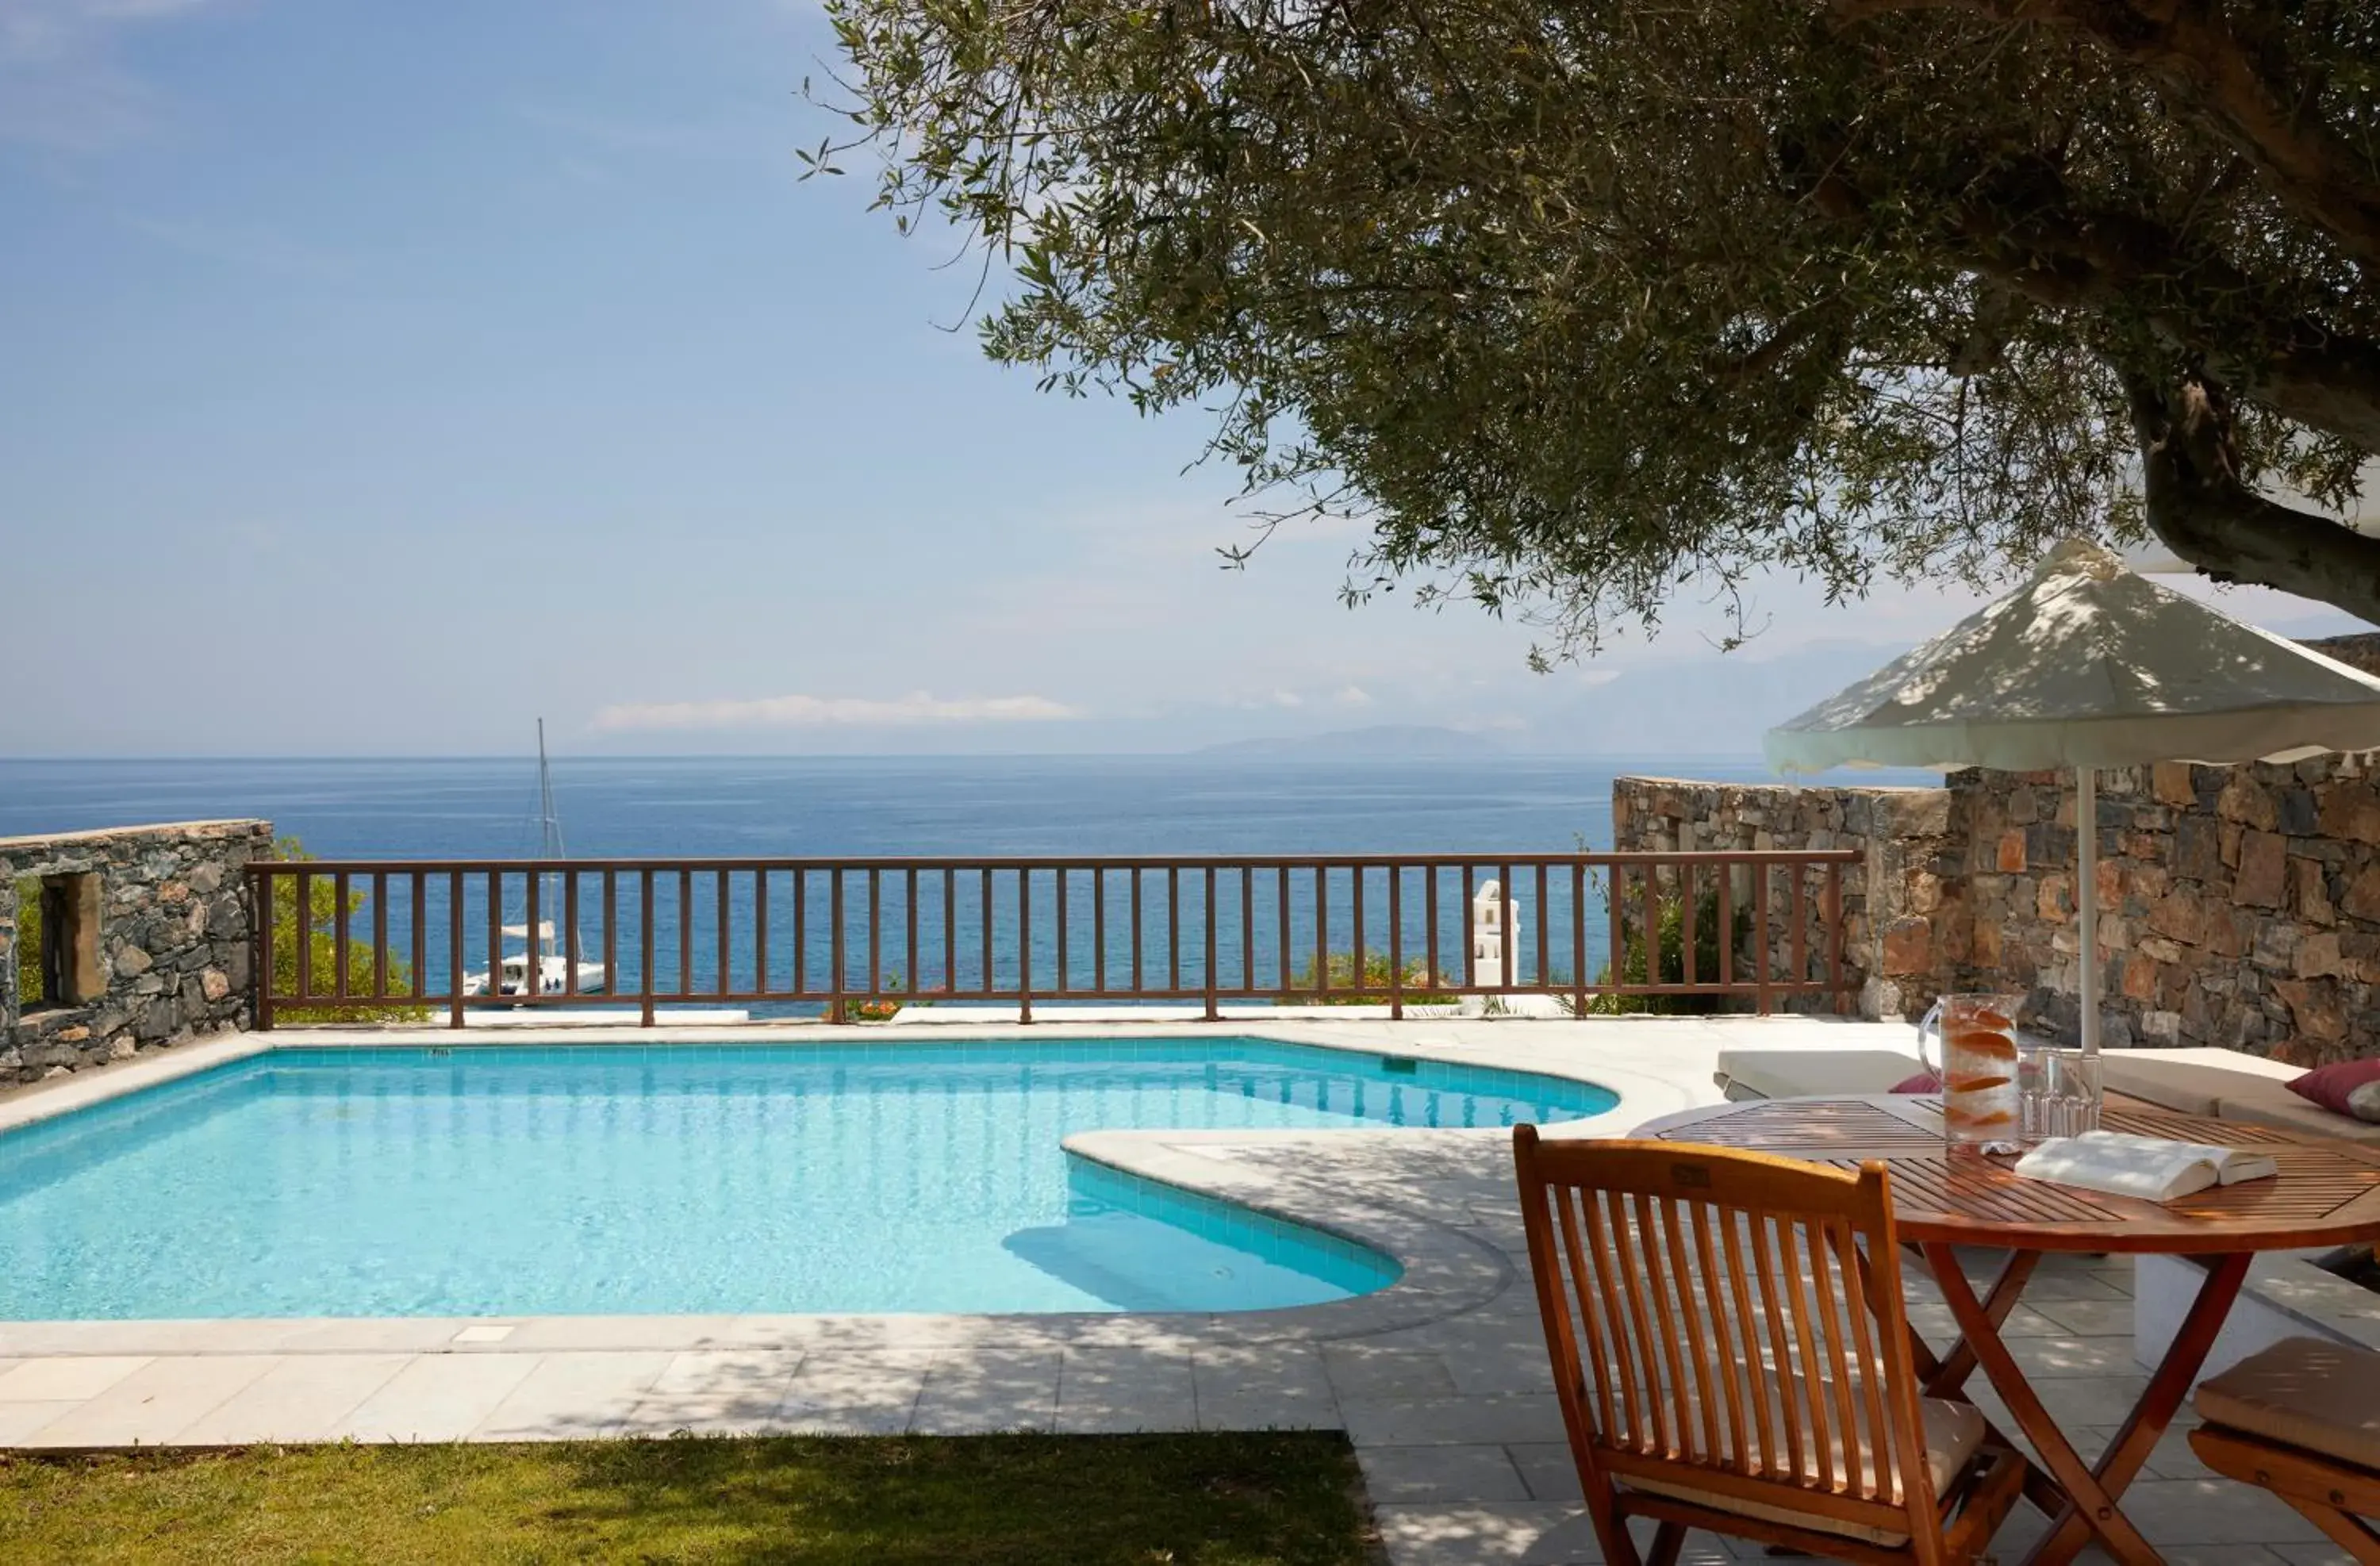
[
  {"x": 743, "y": 807},
  {"x": 934, "y": 805}
]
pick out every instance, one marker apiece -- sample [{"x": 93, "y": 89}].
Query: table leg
[
  {"x": 2089, "y": 1505},
  {"x": 1946, "y": 1375},
  {"x": 2176, "y": 1373}
]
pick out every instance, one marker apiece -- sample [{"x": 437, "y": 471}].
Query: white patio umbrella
[{"x": 2088, "y": 665}]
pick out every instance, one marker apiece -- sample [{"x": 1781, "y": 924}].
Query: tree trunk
[{"x": 2199, "y": 509}]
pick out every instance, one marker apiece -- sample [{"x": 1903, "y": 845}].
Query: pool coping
[{"x": 1443, "y": 1271}]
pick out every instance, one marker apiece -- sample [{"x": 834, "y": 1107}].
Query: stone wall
[
  {"x": 1893, "y": 898},
  {"x": 2238, "y": 905},
  {"x": 170, "y": 958}
]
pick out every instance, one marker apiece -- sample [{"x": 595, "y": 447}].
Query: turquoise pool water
[{"x": 595, "y": 1179}]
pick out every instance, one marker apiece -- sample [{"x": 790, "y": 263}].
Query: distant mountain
[
  {"x": 1380, "y": 742},
  {"x": 1702, "y": 705}
]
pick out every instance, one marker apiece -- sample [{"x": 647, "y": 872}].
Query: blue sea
[{"x": 742, "y": 808}]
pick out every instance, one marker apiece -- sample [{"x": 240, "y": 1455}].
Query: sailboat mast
[
  {"x": 549, "y": 828},
  {"x": 549, "y": 824}
]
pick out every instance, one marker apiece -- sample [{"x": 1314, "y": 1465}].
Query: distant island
[{"x": 1380, "y": 742}]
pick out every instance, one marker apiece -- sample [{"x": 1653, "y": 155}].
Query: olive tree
[{"x": 1575, "y": 300}]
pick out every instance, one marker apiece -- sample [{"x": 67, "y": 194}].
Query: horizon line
[{"x": 1224, "y": 751}]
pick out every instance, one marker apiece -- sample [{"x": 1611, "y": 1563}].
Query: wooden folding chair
[
  {"x": 2302, "y": 1419},
  {"x": 1733, "y": 1353}
]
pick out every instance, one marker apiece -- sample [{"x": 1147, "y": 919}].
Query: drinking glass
[{"x": 2059, "y": 1092}]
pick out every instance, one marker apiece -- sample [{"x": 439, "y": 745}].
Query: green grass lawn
[{"x": 1186, "y": 1500}]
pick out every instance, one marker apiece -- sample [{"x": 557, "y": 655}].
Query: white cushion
[
  {"x": 2190, "y": 1082},
  {"x": 1807, "y": 1073},
  {"x": 1953, "y": 1431},
  {"x": 2267, "y": 1104}
]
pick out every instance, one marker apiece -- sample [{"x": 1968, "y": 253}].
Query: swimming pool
[{"x": 609, "y": 1178}]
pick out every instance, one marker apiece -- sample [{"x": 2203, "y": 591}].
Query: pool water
[{"x": 602, "y": 1178}]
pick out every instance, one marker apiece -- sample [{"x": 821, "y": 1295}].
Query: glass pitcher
[{"x": 1978, "y": 1070}]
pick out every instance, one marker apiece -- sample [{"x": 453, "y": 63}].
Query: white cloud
[
  {"x": 810, "y": 712},
  {"x": 1354, "y": 696}
]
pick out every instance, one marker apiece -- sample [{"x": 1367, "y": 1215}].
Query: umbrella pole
[{"x": 2086, "y": 881}]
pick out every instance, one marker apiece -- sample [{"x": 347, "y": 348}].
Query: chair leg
[
  {"x": 2333, "y": 1495},
  {"x": 1611, "y": 1526},
  {"x": 2351, "y": 1532},
  {"x": 1667, "y": 1539}
]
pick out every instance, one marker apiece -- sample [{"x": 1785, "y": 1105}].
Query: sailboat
[{"x": 552, "y": 972}]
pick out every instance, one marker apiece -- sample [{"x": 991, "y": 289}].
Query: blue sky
[{"x": 379, "y": 378}]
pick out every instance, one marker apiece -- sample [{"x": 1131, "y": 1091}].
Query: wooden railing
[{"x": 405, "y": 940}]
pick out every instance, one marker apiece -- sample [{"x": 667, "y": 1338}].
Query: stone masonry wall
[
  {"x": 171, "y": 951},
  {"x": 2239, "y": 906},
  {"x": 1900, "y": 901}
]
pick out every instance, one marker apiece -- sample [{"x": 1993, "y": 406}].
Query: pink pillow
[
  {"x": 1924, "y": 1082},
  {"x": 2329, "y": 1085}
]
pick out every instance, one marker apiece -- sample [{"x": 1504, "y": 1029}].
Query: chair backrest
[{"x": 1729, "y": 1324}]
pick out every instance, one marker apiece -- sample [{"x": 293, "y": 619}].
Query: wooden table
[{"x": 2327, "y": 1192}]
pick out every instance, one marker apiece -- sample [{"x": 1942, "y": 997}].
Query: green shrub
[
  {"x": 322, "y": 919},
  {"x": 1378, "y": 972},
  {"x": 885, "y": 1009},
  {"x": 1672, "y": 970},
  {"x": 31, "y": 990}
]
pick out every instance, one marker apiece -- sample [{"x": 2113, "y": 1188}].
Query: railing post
[
  {"x": 380, "y": 935},
  {"x": 1615, "y": 918},
  {"x": 420, "y": 934},
  {"x": 570, "y": 952},
  {"x": 611, "y": 930},
  {"x": 1429, "y": 965},
  {"x": 1578, "y": 937},
  {"x": 260, "y": 914},
  {"x": 1801, "y": 915},
  {"x": 1213, "y": 1014},
  {"x": 722, "y": 892},
  {"x": 339, "y": 936},
  {"x": 1727, "y": 925},
  {"x": 1545, "y": 929},
  {"x": 533, "y": 963},
  {"x": 454, "y": 949},
  {"x": 685, "y": 931},
  {"x": 835, "y": 1007},
  {"x": 1396, "y": 944},
  {"x": 303, "y": 910},
  {"x": 1507, "y": 938},
  {"x": 1835, "y": 935},
  {"x": 495, "y": 932},
  {"x": 760, "y": 931},
  {"x": 1024, "y": 945},
  {"x": 1762, "y": 1003},
  {"x": 1686, "y": 931},
  {"x": 645, "y": 947}
]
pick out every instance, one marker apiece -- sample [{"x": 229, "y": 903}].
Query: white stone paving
[{"x": 1439, "y": 1381}]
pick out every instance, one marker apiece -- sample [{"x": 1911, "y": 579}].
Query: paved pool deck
[{"x": 1439, "y": 1381}]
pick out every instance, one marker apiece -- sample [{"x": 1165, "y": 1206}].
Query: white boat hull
[{"x": 553, "y": 978}]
